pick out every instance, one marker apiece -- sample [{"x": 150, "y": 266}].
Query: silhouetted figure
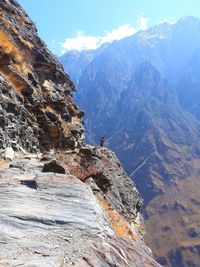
[{"x": 102, "y": 141}]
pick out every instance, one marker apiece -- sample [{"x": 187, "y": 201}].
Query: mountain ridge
[{"x": 135, "y": 92}]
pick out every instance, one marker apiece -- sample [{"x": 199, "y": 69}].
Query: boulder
[
  {"x": 9, "y": 153},
  {"x": 56, "y": 167}
]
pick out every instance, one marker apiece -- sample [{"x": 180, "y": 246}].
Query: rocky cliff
[
  {"x": 62, "y": 202},
  {"x": 35, "y": 89}
]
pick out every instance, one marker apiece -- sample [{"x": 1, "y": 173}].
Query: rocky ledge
[{"x": 53, "y": 219}]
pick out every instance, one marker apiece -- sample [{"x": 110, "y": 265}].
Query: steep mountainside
[
  {"x": 72, "y": 204},
  {"x": 169, "y": 47},
  {"x": 159, "y": 146},
  {"x": 107, "y": 71},
  {"x": 142, "y": 93},
  {"x": 188, "y": 86}
]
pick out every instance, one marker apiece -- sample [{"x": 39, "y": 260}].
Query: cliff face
[
  {"x": 73, "y": 204},
  {"x": 34, "y": 88}
]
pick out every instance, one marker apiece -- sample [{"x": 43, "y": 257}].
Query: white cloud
[
  {"x": 119, "y": 33},
  {"x": 142, "y": 22},
  {"x": 82, "y": 41}
]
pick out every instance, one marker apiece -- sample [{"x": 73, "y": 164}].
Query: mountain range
[{"x": 142, "y": 92}]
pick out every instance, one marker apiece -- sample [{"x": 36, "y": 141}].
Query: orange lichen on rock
[
  {"x": 121, "y": 227},
  {"x": 8, "y": 46},
  {"x": 25, "y": 42},
  {"x": 17, "y": 82},
  {"x": 13, "y": 78},
  {"x": 13, "y": 66}
]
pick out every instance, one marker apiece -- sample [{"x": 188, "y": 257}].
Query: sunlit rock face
[
  {"x": 62, "y": 202},
  {"x": 37, "y": 110}
]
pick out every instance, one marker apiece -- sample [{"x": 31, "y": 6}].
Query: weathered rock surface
[
  {"x": 36, "y": 107},
  {"x": 58, "y": 222},
  {"x": 99, "y": 166},
  {"x": 116, "y": 252}
]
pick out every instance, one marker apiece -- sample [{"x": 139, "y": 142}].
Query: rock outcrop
[
  {"x": 51, "y": 219},
  {"x": 36, "y": 107},
  {"x": 62, "y": 203}
]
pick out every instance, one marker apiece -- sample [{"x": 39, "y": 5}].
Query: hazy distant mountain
[
  {"x": 153, "y": 133},
  {"x": 76, "y": 62},
  {"x": 143, "y": 93},
  {"x": 168, "y": 47},
  {"x": 189, "y": 86}
]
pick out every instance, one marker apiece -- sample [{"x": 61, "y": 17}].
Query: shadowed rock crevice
[
  {"x": 102, "y": 182},
  {"x": 54, "y": 166},
  {"x": 31, "y": 184}
]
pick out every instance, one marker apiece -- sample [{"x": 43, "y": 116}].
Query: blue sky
[{"x": 86, "y": 24}]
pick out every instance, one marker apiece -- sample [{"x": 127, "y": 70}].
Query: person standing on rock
[{"x": 102, "y": 141}]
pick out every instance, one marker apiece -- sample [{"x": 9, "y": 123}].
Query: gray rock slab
[{"x": 51, "y": 223}]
